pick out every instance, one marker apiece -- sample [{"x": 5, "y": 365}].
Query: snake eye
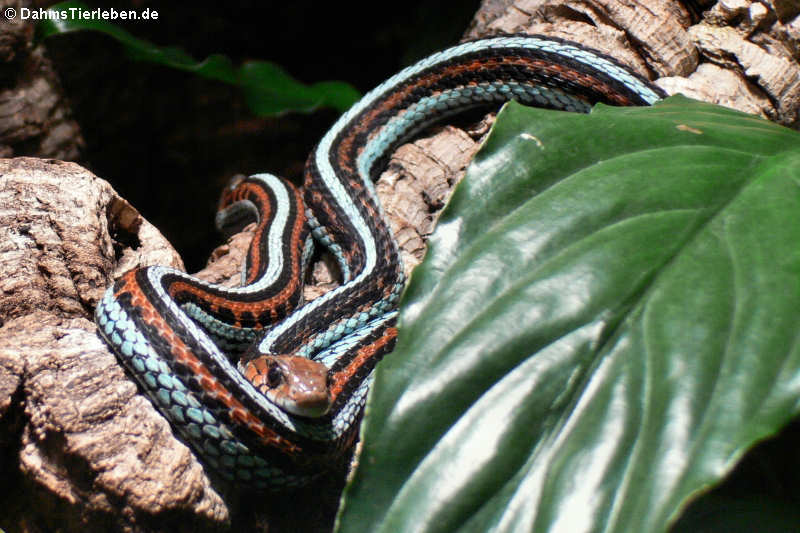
[{"x": 274, "y": 376}]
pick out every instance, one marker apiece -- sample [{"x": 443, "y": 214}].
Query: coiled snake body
[{"x": 266, "y": 390}]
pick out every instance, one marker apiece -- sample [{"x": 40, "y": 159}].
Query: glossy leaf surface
[{"x": 607, "y": 319}]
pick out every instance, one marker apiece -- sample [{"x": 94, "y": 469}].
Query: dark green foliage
[
  {"x": 268, "y": 89},
  {"x": 606, "y": 321}
]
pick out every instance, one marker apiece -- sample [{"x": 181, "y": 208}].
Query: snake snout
[{"x": 295, "y": 384}]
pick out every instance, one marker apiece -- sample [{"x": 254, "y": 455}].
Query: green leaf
[
  {"x": 268, "y": 89},
  {"x": 607, "y": 319}
]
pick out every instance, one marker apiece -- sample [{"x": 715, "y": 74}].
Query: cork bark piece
[
  {"x": 84, "y": 439},
  {"x": 95, "y": 447},
  {"x": 35, "y": 117},
  {"x": 738, "y": 53}
]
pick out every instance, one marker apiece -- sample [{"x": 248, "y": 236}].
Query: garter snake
[{"x": 266, "y": 389}]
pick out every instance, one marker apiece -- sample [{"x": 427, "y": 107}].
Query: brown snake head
[{"x": 295, "y": 384}]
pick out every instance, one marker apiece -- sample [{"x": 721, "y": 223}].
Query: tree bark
[
  {"x": 86, "y": 452},
  {"x": 35, "y": 118},
  {"x": 738, "y": 53}
]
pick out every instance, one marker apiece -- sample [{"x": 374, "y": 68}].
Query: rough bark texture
[
  {"x": 84, "y": 451},
  {"x": 738, "y": 53},
  {"x": 35, "y": 119},
  {"x": 90, "y": 447}
]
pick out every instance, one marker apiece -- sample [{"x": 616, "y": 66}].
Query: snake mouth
[{"x": 308, "y": 409}]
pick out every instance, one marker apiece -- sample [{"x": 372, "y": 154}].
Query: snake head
[{"x": 295, "y": 384}]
